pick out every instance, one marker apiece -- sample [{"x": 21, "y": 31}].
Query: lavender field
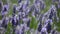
[{"x": 29, "y": 16}]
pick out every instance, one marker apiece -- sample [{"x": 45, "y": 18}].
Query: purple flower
[
  {"x": 32, "y": 8},
  {"x": 40, "y": 27},
  {"x": 37, "y": 1},
  {"x": 26, "y": 4},
  {"x": 48, "y": 27},
  {"x": 15, "y": 21},
  {"x": 51, "y": 14},
  {"x": 4, "y": 22},
  {"x": 40, "y": 18},
  {"x": 19, "y": 1},
  {"x": 27, "y": 11},
  {"x": 23, "y": 30},
  {"x": 36, "y": 11},
  {"x": 5, "y": 9},
  {"x": 53, "y": 32},
  {"x": 14, "y": 8},
  {"x": 42, "y": 5},
  {"x": 28, "y": 23},
  {"x": 43, "y": 31},
  {"x": 21, "y": 9}
]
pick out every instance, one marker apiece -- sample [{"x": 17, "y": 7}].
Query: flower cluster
[{"x": 22, "y": 16}]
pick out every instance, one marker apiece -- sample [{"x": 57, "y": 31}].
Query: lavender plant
[{"x": 26, "y": 17}]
